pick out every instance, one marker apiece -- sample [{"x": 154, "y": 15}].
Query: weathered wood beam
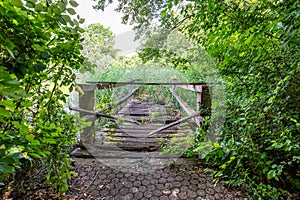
[
  {"x": 191, "y": 87},
  {"x": 186, "y": 108},
  {"x": 174, "y": 123},
  {"x": 99, "y": 114},
  {"x": 117, "y": 84},
  {"x": 105, "y": 85}
]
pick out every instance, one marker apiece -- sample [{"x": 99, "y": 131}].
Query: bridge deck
[{"x": 129, "y": 140}]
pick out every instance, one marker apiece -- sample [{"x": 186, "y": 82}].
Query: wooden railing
[{"x": 88, "y": 112}]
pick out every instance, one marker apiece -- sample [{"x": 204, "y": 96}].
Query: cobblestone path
[{"x": 183, "y": 180}]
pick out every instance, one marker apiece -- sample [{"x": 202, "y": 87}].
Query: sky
[{"x": 109, "y": 18}]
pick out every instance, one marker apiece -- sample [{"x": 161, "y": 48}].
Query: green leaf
[
  {"x": 71, "y": 11},
  {"x": 271, "y": 174},
  {"x": 4, "y": 113},
  {"x": 38, "y": 7},
  {"x": 73, "y": 3},
  {"x": 6, "y": 169},
  {"x": 9, "y": 104},
  {"x": 10, "y": 52},
  {"x": 17, "y": 3}
]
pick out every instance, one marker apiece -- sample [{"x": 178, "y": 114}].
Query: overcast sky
[
  {"x": 108, "y": 18},
  {"x": 124, "y": 36}
]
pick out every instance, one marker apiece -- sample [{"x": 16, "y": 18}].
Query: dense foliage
[
  {"x": 39, "y": 50},
  {"x": 256, "y": 47}
]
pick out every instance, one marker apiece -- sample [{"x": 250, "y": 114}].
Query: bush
[{"x": 40, "y": 48}]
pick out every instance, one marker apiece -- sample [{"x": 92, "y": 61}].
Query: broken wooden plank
[
  {"x": 175, "y": 123},
  {"x": 98, "y": 114},
  {"x": 186, "y": 108}
]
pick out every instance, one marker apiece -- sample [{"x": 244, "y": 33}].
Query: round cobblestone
[
  {"x": 123, "y": 191},
  {"x": 115, "y": 180},
  {"x": 209, "y": 191},
  {"x": 194, "y": 182},
  {"x": 127, "y": 174},
  {"x": 148, "y": 194},
  {"x": 145, "y": 182},
  {"x": 179, "y": 178},
  {"x": 193, "y": 188},
  {"x": 185, "y": 182},
  {"x": 128, "y": 184},
  {"x": 192, "y": 194},
  {"x": 184, "y": 189},
  {"x": 165, "y": 175},
  {"x": 154, "y": 181},
  {"x": 157, "y": 193},
  {"x": 142, "y": 189},
  {"x": 162, "y": 180},
  {"x": 159, "y": 186},
  {"x": 170, "y": 179},
  {"x": 201, "y": 193},
  {"x": 114, "y": 192},
  {"x": 131, "y": 178},
  {"x": 202, "y": 180},
  {"x": 148, "y": 176},
  {"x": 120, "y": 175},
  {"x": 150, "y": 187},
  {"x": 140, "y": 177},
  {"x": 183, "y": 195},
  {"x": 138, "y": 195},
  {"x": 164, "y": 197},
  {"x": 176, "y": 184},
  {"x": 128, "y": 197},
  {"x": 104, "y": 192},
  {"x": 137, "y": 183},
  {"x": 218, "y": 196},
  {"x": 156, "y": 176},
  {"x": 210, "y": 197},
  {"x": 201, "y": 186}
]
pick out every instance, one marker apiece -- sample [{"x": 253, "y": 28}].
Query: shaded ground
[{"x": 182, "y": 180}]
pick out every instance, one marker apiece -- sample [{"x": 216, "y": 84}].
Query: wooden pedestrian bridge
[{"x": 137, "y": 126}]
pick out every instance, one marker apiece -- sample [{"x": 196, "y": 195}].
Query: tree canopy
[{"x": 98, "y": 47}]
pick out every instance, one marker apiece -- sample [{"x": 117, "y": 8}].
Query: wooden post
[
  {"x": 87, "y": 99},
  {"x": 198, "y": 101},
  {"x": 198, "y": 90},
  {"x": 87, "y": 102}
]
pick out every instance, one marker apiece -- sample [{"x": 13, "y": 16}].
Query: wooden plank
[
  {"x": 191, "y": 87},
  {"x": 175, "y": 123}
]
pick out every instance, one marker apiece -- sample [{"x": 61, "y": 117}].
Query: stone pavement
[{"x": 182, "y": 180}]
